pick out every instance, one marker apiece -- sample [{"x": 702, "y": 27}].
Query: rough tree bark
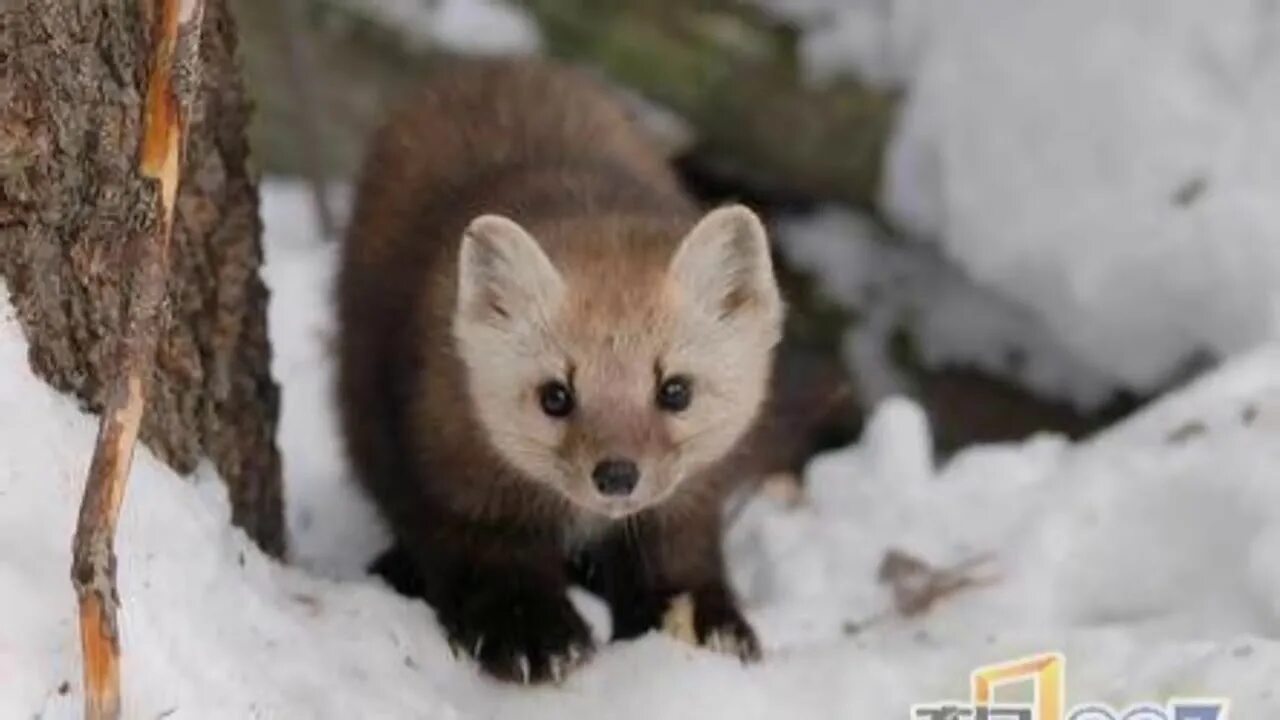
[
  {"x": 73, "y": 77},
  {"x": 172, "y": 86}
]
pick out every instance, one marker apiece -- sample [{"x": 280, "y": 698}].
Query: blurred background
[{"x": 1029, "y": 216}]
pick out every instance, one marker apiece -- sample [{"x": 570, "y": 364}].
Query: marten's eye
[
  {"x": 675, "y": 393},
  {"x": 556, "y": 399}
]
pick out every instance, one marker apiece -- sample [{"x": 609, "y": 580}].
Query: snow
[
  {"x": 483, "y": 27},
  {"x": 876, "y": 40},
  {"x": 1148, "y": 556},
  {"x": 894, "y": 287},
  {"x": 1111, "y": 167},
  {"x": 333, "y": 529}
]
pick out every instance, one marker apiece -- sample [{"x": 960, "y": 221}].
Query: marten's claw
[
  {"x": 711, "y": 620},
  {"x": 528, "y": 639},
  {"x": 739, "y": 641}
]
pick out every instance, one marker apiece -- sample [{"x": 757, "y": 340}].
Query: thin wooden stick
[{"x": 174, "y": 66}]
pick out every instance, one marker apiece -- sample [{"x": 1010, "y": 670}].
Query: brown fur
[{"x": 492, "y": 547}]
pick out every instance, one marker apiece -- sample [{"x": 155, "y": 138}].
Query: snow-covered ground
[{"x": 1150, "y": 556}]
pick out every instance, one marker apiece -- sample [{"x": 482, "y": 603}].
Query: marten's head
[{"x": 608, "y": 366}]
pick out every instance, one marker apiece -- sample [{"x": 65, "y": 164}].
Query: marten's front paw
[
  {"x": 711, "y": 619},
  {"x": 526, "y": 638}
]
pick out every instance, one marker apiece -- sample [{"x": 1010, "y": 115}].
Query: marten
[{"x": 548, "y": 360}]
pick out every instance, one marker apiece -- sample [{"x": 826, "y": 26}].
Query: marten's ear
[
  {"x": 503, "y": 274},
  {"x": 723, "y": 267}
]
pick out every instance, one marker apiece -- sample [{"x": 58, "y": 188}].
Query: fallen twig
[{"x": 917, "y": 586}]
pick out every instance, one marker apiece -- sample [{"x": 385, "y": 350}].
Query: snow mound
[
  {"x": 1113, "y": 166},
  {"x": 1148, "y": 556}
]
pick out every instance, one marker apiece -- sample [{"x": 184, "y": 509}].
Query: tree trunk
[{"x": 71, "y": 203}]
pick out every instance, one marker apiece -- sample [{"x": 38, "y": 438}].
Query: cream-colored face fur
[{"x": 611, "y": 319}]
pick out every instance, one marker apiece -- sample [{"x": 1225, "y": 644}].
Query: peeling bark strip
[{"x": 176, "y": 43}]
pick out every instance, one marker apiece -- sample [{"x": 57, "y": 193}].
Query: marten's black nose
[{"x": 615, "y": 477}]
